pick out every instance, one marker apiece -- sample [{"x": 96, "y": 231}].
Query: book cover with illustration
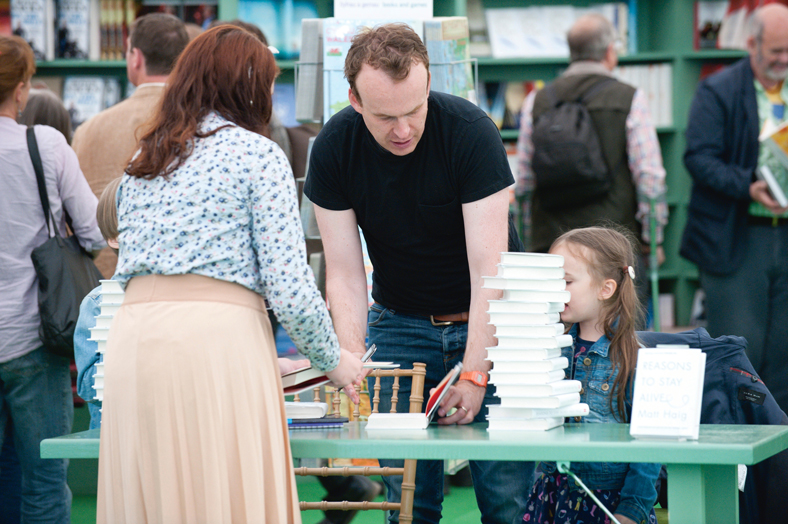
[
  {"x": 34, "y": 20},
  {"x": 73, "y": 29},
  {"x": 775, "y": 172},
  {"x": 446, "y": 39}
]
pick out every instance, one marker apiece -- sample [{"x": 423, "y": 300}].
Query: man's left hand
[{"x": 467, "y": 397}]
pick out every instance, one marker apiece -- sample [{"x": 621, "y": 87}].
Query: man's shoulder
[
  {"x": 136, "y": 105},
  {"x": 444, "y": 105},
  {"x": 730, "y": 78}
]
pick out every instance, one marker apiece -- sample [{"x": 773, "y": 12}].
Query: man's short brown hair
[
  {"x": 394, "y": 48},
  {"x": 161, "y": 38}
]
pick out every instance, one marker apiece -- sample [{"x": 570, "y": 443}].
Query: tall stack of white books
[
  {"x": 111, "y": 298},
  {"x": 528, "y": 369}
]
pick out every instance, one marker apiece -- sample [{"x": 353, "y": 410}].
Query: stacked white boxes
[
  {"x": 111, "y": 298},
  {"x": 528, "y": 369}
]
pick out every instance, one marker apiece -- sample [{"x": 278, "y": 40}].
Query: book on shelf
[
  {"x": 531, "y": 259},
  {"x": 656, "y": 83},
  {"x": 526, "y": 272},
  {"x": 708, "y": 19},
  {"x": 536, "y": 377},
  {"x": 478, "y": 41},
  {"x": 526, "y": 342},
  {"x": 513, "y": 366},
  {"x": 34, "y": 21},
  {"x": 77, "y": 29},
  {"x": 309, "y": 87},
  {"x": 533, "y": 295},
  {"x": 549, "y": 402},
  {"x": 529, "y": 330},
  {"x": 86, "y": 96},
  {"x": 522, "y": 355},
  {"x": 552, "y": 284},
  {"x": 553, "y": 389},
  {"x": 572, "y": 410},
  {"x": 305, "y": 410},
  {"x": 532, "y": 424},
  {"x": 446, "y": 39},
  {"x": 514, "y": 306}
]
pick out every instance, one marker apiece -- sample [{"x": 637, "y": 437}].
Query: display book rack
[{"x": 664, "y": 35}]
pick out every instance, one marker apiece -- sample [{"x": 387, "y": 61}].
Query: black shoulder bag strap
[{"x": 35, "y": 157}]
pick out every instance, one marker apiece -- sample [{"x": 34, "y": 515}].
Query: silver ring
[{"x": 466, "y": 409}]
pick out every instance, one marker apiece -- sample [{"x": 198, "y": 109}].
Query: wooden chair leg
[{"x": 408, "y": 492}]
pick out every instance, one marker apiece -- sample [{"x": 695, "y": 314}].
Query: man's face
[
  {"x": 770, "y": 54},
  {"x": 395, "y": 112}
]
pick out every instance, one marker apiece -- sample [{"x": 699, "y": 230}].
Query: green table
[{"x": 703, "y": 473}]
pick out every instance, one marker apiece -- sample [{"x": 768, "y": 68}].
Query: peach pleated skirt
[{"x": 193, "y": 427}]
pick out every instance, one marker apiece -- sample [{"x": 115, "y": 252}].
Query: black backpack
[{"x": 568, "y": 162}]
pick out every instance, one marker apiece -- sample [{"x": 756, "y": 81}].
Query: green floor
[{"x": 459, "y": 507}]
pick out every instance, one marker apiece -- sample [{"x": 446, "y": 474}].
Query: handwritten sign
[
  {"x": 383, "y": 9},
  {"x": 668, "y": 393}
]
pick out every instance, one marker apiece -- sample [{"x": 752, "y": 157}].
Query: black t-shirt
[{"x": 409, "y": 207}]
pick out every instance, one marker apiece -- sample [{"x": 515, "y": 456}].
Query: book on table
[
  {"x": 531, "y": 259},
  {"x": 306, "y": 378},
  {"x": 533, "y": 424},
  {"x": 535, "y": 377},
  {"x": 329, "y": 421},
  {"x": 562, "y": 387},
  {"x": 525, "y": 342},
  {"x": 496, "y": 353},
  {"x": 524, "y": 318},
  {"x": 549, "y": 402},
  {"x": 514, "y": 366},
  {"x": 530, "y": 272},
  {"x": 503, "y": 412},
  {"x": 417, "y": 420},
  {"x": 533, "y": 308},
  {"x": 305, "y": 410},
  {"x": 529, "y": 330},
  {"x": 535, "y": 295},
  {"x": 551, "y": 284}
]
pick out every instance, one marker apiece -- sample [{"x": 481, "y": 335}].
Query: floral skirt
[{"x": 554, "y": 501}]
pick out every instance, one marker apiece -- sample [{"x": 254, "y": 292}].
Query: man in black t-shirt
[{"x": 425, "y": 177}]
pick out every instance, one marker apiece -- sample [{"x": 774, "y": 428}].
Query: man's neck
[{"x": 151, "y": 79}]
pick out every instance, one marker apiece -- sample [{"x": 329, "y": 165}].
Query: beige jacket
[{"x": 105, "y": 143}]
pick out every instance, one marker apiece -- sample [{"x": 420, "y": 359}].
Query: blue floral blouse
[{"x": 229, "y": 212}]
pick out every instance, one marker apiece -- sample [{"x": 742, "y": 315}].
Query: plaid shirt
[{"x": 644, "y": 157}]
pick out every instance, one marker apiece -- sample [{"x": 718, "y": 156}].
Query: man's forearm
[
  {"x": 480, "y": 332},
  {"x": 347, "y": 298}
]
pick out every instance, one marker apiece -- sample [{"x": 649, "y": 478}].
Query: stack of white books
[
  {"x": 111, "y": 298},
  {"x": 528, "y": 369}
]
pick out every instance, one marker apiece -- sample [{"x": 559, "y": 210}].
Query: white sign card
[
  {"x": 668, "y": 393},
  {"x": 383, "y": 9}
]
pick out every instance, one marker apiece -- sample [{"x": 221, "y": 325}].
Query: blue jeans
[
  {"x": 35, "y": 393},
  {"x": 501, "y": 487},
  {"x": 10, "y": 480}
]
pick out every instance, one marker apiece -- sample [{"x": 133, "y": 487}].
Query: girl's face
[{"x": 585, "y": 304}]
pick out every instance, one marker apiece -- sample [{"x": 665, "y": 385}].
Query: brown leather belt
[{"x": 447, "y": 320}]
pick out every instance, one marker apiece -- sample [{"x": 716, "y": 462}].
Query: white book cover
[
  {"x": 83, "y": 97},
  {"x": 533, "y": 273},
  {"x": 552, "y": 402},
  {"x": 523, "y": 342},
  {"x": 522, "y": 355},
  {"x": 73, "y": 29},
  {"x": 573, "y": 410},
  {"x": 554, "y": 284},
  {"x": 34, "y": 21},
  {"x": 396, "y": 421},
  {"x": 104, "y": 321},
  {"x": 513, "y": 366},
  {"x": 553, "y": 389},
  {"x": 529, "y": 330},
  {"x": 524, "y": 318},
  {"x": 296, "y": 410},
  {"x": 109, "y": 309},
  {"x": 531, "y": 259},
  {"x": 534, "y": 424},
  {"x": 529, "y": 295},
  {"x": 668, "y": 393},
  {"x": 764, "y": 173},
  {"x": 536, "y": 377},
  {"x": 514, "y": 306}
]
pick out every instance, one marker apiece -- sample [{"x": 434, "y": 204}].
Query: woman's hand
[
  {"x": 349, "y": 372},
  {"x": 287, "y": 365}
]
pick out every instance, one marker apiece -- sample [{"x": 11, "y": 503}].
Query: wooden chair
[{"x": 408, "y": 471}]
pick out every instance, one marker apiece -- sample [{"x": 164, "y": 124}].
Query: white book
[
  {"x": 554, "y": 402},
  {"x": 309, "y": 88},
  {"x": 522, "y": 355},
  {"x": 525, "y": 318},
  {"x": 73, "y": 29},
  {"x": 529, "y": 295},
  {"x": 523, "y": 342},
  {"x": 110, "y": 286},
  {"x": 537, "y": 377},
  {"x": 529, "y": 330},
  {"x": 553, "y": 389},
  {"x": 513, "y": 366},
  {"x": 764, "y": 173},
  {"x": 297, "y": 410},
  {"x": 573, "y": 410},
  {"x": 534, "y": 424},
  {"x": 104, "y": 321},
  {"x": 109, "y": 309},
  {"x": 506, "y": 271},
  {"x": 392, "y": 421},
  {"x": 514, "y": 306},
  {"x": 34, "y": 21},
  {"x": 98, "y": 381},
  {"x": 555, "y": 284},
  {"x": 532, "y": 259}
]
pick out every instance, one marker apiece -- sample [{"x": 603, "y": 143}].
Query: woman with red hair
[{"x": 193, "y": 424}]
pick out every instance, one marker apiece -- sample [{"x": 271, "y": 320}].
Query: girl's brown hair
[
  {"x": 226, "y": 70},
  {"x": 17, "y": 64},
  {"x": 609, "y": 253}
]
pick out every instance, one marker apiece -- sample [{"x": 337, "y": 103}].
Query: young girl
[{"x": 602, "y": 312}]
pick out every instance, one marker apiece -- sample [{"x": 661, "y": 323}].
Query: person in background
[
  {"x": 104, "y": 144},
  {"x": 425, "y": 176},
  {"x": 208, "y": 227},
  {"x": 45, "y": 108},
  {"x": 736, "y": 232},
  {"x": 603, "y": 314},
  {"x": 35, "y": 385},
  {"x": 621, "y": 118}
]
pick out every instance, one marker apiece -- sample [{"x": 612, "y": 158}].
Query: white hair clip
[{"x": 631, "y": 271}]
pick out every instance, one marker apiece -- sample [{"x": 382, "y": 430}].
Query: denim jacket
[
  {"x": 85, "y": 354},
  {"x": 636, "y": 481}
]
